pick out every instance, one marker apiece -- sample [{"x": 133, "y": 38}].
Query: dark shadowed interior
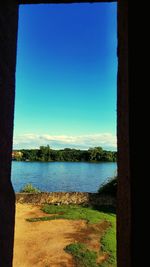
[{"x": 8, "y": 47}]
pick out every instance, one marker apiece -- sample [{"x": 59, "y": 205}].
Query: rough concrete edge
[{"x": 66, "y": 198}]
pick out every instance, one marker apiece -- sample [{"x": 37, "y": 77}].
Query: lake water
[{"x": 62, "y": 176}]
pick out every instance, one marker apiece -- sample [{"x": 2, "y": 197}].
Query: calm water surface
[{"x": 62, "y": 176}]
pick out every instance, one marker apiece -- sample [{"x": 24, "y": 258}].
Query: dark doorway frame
[{"x": 8, "y": 48}]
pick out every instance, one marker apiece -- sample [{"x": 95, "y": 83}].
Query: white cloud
[{"x": 31, "y": 140}]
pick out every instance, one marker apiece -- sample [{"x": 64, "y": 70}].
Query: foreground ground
[{"x": 42, "y": 243}]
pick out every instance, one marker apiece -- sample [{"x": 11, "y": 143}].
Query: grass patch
[
  {"x": 38, "y": 219},
  {"x": 108, "y": 242},
  {"x": 29, "y": 188},
  {"x": 78, "y": 212},
  {"x": 83, "y": 256}
]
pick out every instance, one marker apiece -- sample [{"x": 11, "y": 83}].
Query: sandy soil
[{"x": 42, "y": 244}]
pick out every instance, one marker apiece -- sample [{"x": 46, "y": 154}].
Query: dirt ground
[{"x": 42, "y": 244}]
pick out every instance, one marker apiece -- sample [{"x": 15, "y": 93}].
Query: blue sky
[{"x": 66, "y": 76}]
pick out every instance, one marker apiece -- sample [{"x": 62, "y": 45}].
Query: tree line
[{"x": 46, "y": 154}]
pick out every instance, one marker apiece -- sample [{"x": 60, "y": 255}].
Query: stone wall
[{"x": 65, "y": 198}]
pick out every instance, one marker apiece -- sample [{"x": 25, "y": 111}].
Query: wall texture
[
  {"x": 123, "y": 139},
  {"x": 8, "y": 44}
]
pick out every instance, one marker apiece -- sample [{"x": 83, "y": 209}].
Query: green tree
[
  {"x": 95, "y": 154},
  {"x": 45, "y": 153}
]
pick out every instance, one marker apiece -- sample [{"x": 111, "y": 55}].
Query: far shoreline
[{"x": 63, "y": 161}]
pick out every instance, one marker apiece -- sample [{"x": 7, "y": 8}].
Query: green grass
[
  {"x": 45, "y": 218},
  {"x": 91, "y": 215},
  {"x": 82, "y": 255},
  {"x": 29, "y": 188},
  {"x": 108, "y": 242},
  {"x": 78, "y": 212}
]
